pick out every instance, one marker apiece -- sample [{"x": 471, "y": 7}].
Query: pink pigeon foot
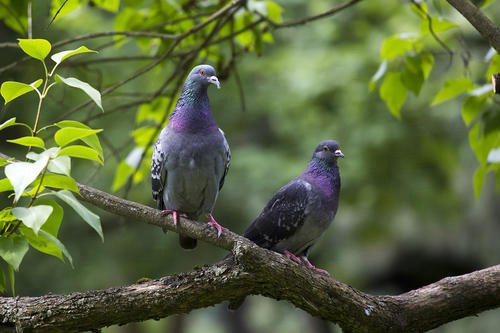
[
  {"x": 213, "y": 222},
  {"x": 314, "y": 268},
  {"x": 292, "y": 256},
  {"x": 174, "y": 213}
]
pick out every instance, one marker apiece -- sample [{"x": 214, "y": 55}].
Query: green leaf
[
  {"x": 123, "y": 173},
  {"x": 63, "y": 7},
  {"x": 81, "y": 152},
  {"x": 412, "y": 76},
  {"x": 11, "y": 89},
  {"x": 438, "y": 24},
  {"x": 111, "y": 5},
  {"x": 378, "y": 75},
  {"x": 35, "y": 48},
  {"x": 40, "y": 243},
  {"x": 61, "y": 165},
  {"x": 21, "y": 174},
  {"x": 13, "y": 249},
  {"x": 29, "y": 141},
  {"x": 143, "y": 135},
  {"x": 92, "y": 219},
  {"x": 393, "y": 93},
  {"x": 61, "y": 56},
  {"x": 33, "y": 217},
  {"x": 452, "y": 88},
  {"x": 59, "y": 245},
  {"x": 274, "y": 12},
  {"x": 398, "y": 45},
  {"x": 55, "y": 219},
  {"x": 8, "y": 123},
  {"x": 91, "y": 140},
  {"x": 478, "y": 180},
  {"x": 5, "y": 185},
  {"x": 472, "y": 107},
  {"x": 426, "y": 62},
  {"x": 69, "y": 134},
  {"x": 93, "y": 93},
  {"x": 58, "y": 181},
  {"x": 6, "y": 215}
]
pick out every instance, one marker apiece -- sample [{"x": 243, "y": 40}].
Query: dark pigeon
[
  {"x": 300, "y": 212},
  {"x": 191, "y": 156}
]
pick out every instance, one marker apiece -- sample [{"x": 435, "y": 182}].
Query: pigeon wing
[
  {"x": 227, "y": 159},
  {"x": 283, "y": 215}
]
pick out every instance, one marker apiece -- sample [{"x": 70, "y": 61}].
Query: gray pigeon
[
  {"x": 191, "y": 156},
  {"x": 300, "y": 212}
]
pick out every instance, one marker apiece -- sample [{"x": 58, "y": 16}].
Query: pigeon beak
[
  {"x": 338, "y": 153},
  {"x": 214, "y": 80}
]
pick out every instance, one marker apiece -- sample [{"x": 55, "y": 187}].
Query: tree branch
[
  {"x": 481, "y": 22},
  {"x": 251, "y": 270}
]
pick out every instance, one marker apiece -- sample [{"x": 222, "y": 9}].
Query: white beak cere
[
  {"x": 338, "y": 153},
  {"x": 214, "y": 80}
]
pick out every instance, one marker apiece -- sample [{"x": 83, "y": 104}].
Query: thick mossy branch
[{"x": 250, "y": 270}]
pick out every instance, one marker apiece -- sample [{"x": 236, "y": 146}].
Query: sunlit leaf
[
  {"x": 33, "y": 217},
  {"x": 61, "y": 165},
  {"x": 274, "y": 11},
  {"x": 144, "y": 135},
  {"x": 378, "y": 74},
  {"x": 21, "y": 174},
  {"x": 111, "y": 5},
  {"x": 6, "y": 215},
  {"x": 398, "y": 45},
  {"x": 59, "y": 181},
  {"x": 5, "y": 185},
  {"x": 91, "y": 140},
  {"x": 92, "y": 219},
  {"x": 69, "y": 134},
  {"x": 35, "y": 48},
  {"x": 393, "y": 93},
  {"x": 11, "y": 89},
  {"x": 13, "y": 249},
  {"x": 10, "y": 122},
  {"x": 63, "y": 7},
  {"x": 494, "y": 156},
  {"x": 29, "y": 141},
  {"x": 81, "y": 152},
  {"x": 452, "y": 88},
  {"x": 40, "y": 243},
  {"x": 93, "y": 93},
  {"x": 63, "y": 55},
  {"x": 437, "y": 24},
  {"x": 122, "y": 174},
  {"x": 426, "y": 61}
]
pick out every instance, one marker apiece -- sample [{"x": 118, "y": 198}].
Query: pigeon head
[
  {"x": 328, "y": 151},
  {"x": 202, "y": 76}
]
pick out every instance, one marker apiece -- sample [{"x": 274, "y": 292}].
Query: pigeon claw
[
  {"x": 213, "y": 223},
  {"x": 314, "y": 268},
  {"x": 175, "y": 215},
  {"x": 292, "y": 256}
]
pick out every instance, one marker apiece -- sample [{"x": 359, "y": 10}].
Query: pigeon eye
[
  {"x": 202, "y": 72},
  {"x": 325, "y": 148}
]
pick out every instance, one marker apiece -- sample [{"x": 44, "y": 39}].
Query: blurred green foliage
[{"x": 408, "y": 214}]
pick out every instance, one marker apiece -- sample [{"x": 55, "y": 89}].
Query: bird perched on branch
[
  {"x": 300, "y": 212},
  {"x": 191, "y": 156}
]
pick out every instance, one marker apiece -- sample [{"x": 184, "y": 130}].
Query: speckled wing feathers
[
  {"x": 284, "y": 214},
  {"x": 158, "y": 174}
]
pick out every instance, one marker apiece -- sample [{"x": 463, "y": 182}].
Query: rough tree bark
[{"x": 251, "y": 270}]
